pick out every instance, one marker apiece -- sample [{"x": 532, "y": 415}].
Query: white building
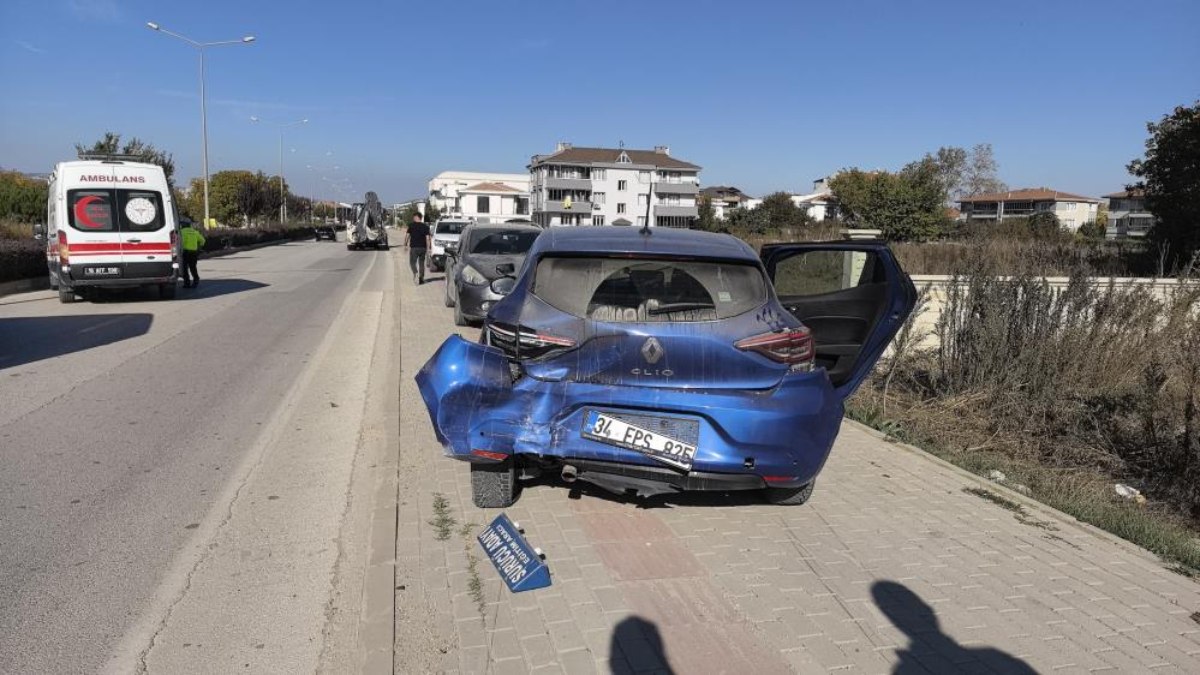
[
  {"x": 1072, "y": 210},
  {"x": 725, "y": 198},
  {"x": 446, "y": 187},
  {"x": 820, "y": 203},
  {"x": 1127, "y": 215},
  {"x": 613, "y": 186},
  {"x": 493, "y": 202}
]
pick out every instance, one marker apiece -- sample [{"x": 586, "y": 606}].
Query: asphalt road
[{"x": 138, "y": 440}]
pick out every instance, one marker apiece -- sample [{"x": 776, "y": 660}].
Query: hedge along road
[{"x": 174, "y": 471}]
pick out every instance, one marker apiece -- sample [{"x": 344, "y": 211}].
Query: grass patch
[
  {"x": 475, "y": 582},
  {"x": 443, "y": 521}
]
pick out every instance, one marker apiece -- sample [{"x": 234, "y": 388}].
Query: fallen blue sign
[{"x": 518, "y": 563}]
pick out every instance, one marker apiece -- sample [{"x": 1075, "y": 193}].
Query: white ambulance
[{"x": 110, "y": 224}]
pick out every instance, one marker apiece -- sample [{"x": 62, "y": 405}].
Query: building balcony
[
  {"x": 676, "y": 188},
  {"x": 556, "y": 206},
  {"x": 568, "y": 183},
  {"x": 686, "y": 211}
]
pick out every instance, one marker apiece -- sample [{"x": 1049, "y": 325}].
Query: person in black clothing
[{"x": 417, "y": 241}]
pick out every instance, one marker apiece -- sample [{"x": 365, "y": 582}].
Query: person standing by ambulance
[{"x": 192, "y": 242}]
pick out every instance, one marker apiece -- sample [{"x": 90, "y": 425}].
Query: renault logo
[{"x": 652, "y": 351}]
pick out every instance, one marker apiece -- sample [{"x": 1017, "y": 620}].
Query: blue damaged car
[{"x": 659, "y": 360}]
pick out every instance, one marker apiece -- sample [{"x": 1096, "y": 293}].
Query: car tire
[
  {"x": 166, "y": 291},
  {"x": 789, "y": 496},
  {"x": 446, "y": 299},
  {"x": 494, "y": 486},
  {"x": 460, "y": 319},
  {"x": 66, "y": 294}
]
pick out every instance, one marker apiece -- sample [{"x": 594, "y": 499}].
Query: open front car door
[{"x": 852, "y": 295}]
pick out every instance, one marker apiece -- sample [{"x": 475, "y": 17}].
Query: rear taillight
[
  {"x": 174, "y": 242},
  {"x": 523, "y": 342},
  {"x": 64, "y": 251},
  {"x": 793, "y": 347}
]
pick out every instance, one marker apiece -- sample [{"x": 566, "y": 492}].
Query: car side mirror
[
  {"x": 504, "y": 285},
  {"x": 506, "y": 269}
]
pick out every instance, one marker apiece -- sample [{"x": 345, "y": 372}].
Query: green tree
[
  {"x": 1044, "y": 225},
  {"x": 747, "y": 221},
  {"x": 1169, "y": 175},
  {"x": 906, "y": 205},
  {"x": 780, "y": 211},
  {"x": 706, "y": 215},
  {"x": 1092, "y": 230},
  {"x": 965, "y": 173},
  {"x": 111, "y": 144},
  {"x": 22, "y": 198}
]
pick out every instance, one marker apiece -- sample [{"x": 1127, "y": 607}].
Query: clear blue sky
[{"x": 764, "y": 95}]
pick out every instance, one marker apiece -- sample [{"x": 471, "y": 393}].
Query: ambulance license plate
[
  {"x": 102, "y": 271},
  {"x": 612, "y": 431}
]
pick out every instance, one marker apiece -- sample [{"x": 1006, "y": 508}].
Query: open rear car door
[{"x": 852, "y": 295}]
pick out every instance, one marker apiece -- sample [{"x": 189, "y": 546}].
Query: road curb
[{"x": 1008, "y": 493}]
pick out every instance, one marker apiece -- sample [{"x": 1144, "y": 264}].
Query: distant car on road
[
  {"x": 485, "y": 253},
  {"x": 446, "y": 232},
  {"x": 658, "y": 361},
  {"x": 326, "y": 232}
]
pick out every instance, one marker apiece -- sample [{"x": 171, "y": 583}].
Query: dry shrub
[{"x": 1087, "y": 378}]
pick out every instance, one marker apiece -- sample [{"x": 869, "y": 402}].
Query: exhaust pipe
[{"x": 569, "y": 473}]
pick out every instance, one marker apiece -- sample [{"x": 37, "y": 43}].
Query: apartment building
[
  {"x": 1072, "y": 210},
  {"x": 613, "y": 186},
  {"x": 446, "y": 188},
  {"x": 1127, "y": 215}
]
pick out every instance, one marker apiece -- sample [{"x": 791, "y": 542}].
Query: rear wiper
[{"x": 678, "y": 307}]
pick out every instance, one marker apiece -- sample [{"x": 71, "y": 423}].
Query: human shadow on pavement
[
  {"x": 25, "y": 339},
  {"x": 637, "y": 641},
  {"x": 916, "y": 619}
]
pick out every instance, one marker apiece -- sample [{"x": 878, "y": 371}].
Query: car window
[
  {"x": 820, "y": 272},
  {"x": 502, "y": 243},
  {"x": 140, "y": 210},
  {"x": 624, "y": 290},
  {"x": 91, "y": 210},
  {"x": 449, "y": 227}
]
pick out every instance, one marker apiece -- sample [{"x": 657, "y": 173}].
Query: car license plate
[
  {"x": 102, "y": 271},
  {"x": 612, "y": 431}
]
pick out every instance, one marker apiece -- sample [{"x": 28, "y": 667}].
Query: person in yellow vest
[{"x": 192, "y": 242}]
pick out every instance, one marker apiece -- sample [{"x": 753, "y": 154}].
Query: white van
[
  {"x": 110, "y": 223},
  {"x": 446, "y": 232}
]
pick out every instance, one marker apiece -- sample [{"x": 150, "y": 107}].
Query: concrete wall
[{"x": 939, "y": 284}]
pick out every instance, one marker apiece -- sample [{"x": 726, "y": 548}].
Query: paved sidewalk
[{"x": 897, "y": 562}]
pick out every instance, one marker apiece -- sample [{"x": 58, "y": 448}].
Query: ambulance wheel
[
  {"x": 494, "y": 486},
  {"x": 66, "y": 294},
  {"x": 166, "y": 291},
  {"x": 790, "y": 496}
]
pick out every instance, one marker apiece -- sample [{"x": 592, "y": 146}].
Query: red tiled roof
[
  {"x": 1041, "y": 194},
  {"x": 609, "y": 156},
  {"x": 490, "y": 187}
]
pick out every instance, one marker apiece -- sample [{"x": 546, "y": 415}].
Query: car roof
[
  {"x": 503, "y": 227},
  {"x": 663, "y": 241}
]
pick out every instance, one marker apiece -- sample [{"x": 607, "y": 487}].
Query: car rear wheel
[
  {"x": 494, "y": 486},
  {"x": 66, "y": 294},
  {"x": 789, "y": 496}
]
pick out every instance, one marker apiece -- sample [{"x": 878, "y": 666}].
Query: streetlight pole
[
  {"x": 200, "y": 46},
  {"x": 282, "y": 192}
]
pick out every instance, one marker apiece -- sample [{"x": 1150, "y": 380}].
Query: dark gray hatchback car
[{"x": 486, "y": 252}]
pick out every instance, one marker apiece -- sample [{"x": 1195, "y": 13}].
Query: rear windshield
[
  {"x": 623, "y": 290},
  {"x": 503, "y": 243},
  {"x": 115, "y": 210},
  {"x": 450, "y": 227}
]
